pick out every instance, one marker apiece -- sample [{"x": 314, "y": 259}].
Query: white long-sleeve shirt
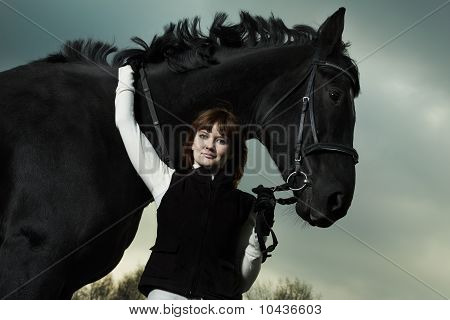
[{"x": 157, "y": 175}]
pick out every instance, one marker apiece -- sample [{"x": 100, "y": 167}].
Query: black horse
[{"x": 70, "y": 200}]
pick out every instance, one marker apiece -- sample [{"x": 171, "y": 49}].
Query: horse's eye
[{"x": 335, "y": 95}]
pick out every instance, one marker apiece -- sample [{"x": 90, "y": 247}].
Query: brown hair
[{"x": 228, "y": 126}]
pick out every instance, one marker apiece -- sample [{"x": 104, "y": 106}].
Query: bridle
[{"x": 301, "y": 150}]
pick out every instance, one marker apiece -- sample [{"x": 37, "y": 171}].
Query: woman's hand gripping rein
[{"x": 265, "y": 212}]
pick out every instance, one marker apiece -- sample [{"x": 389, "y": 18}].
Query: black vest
[{"x": 199, "y": 223}]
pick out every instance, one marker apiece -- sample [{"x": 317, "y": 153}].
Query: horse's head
[{"x": 319, "y": 162}]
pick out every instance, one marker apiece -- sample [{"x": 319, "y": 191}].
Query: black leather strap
[
  {"x": 262, "y": 246},
  {"x": 335, "y": 66},
  {"x": 333, "y": 147},
  {"x": 287, "y": 94},
  {"x": 151, "y": 107}
]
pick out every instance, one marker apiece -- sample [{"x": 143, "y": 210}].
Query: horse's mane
[
  {"x": 185, "y": 47},
  {"x": 84, "y": 51}
]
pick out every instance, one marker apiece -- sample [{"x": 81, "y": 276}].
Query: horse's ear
[{"x": 330, "y": 34}]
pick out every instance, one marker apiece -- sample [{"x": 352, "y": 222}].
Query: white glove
[
  {"x": 124, "y": 95},
  {"x": 126, "y": 79}
]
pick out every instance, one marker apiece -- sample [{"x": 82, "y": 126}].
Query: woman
[{"x": 206, "y": 246}]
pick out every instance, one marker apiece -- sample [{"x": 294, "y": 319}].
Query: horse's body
[
  {"x": 70, "y": 200},
  {"x": 64, "y": 179}
]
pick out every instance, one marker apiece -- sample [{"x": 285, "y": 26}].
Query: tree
[
  {"x": 99, "y": 290},
  {"x": 286, "y": 289},
  {"x": 106, "y": 289},
  {"x": 126, "y": 289}
]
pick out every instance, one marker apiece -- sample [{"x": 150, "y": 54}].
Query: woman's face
[{"x": 210, "y": 148}]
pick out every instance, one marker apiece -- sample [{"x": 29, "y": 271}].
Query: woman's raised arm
[{"x": 153, "y": 171}]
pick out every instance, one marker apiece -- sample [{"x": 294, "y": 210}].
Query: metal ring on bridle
[{"x": 305, "y": 181}]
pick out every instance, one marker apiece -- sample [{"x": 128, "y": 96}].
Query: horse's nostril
[{"x": 335, "y": 201}]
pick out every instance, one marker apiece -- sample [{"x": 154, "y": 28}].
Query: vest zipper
[{"x": 194, "y": 281}]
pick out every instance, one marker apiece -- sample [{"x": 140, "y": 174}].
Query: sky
[{"x": 394, "y": 242}]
